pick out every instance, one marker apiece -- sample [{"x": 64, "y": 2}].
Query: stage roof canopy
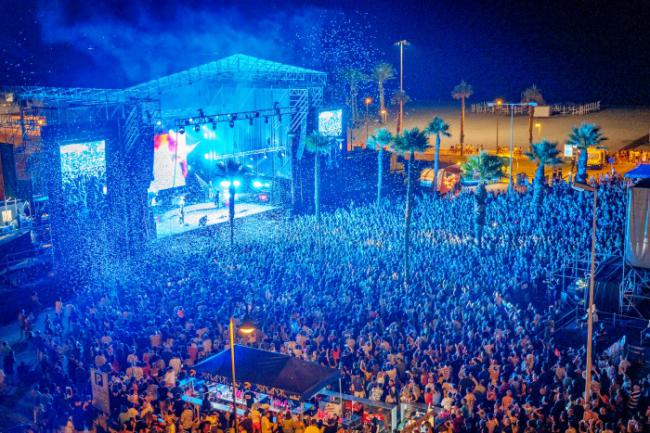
[
  {"x": 270, "y": 369},
  {"x": 642, "y": 171},
  {"x": 238, "y": 68}
]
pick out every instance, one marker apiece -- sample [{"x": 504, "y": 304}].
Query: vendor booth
[
  {"x": 269, "y": 379},
  {"x": 281, "y": 383}
]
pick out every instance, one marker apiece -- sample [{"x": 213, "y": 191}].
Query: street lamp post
[
  {"x": 499, "y": 103},
  {"x": 511, "y": 106},
  {"x": 590, "y": 309},
  {"x": 367, "y": 101},
  {"x": 401, "y": 45},
  {"x": 246, "y": 328}
]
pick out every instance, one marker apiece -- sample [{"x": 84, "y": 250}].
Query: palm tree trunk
[
  {"x": 538, "y": 188},
  {"x": 407, "y": 216},
  {"x": 479, "y": 210},
  {"x": 231, "y": 212},
  {"x": 436, "y": 159},
  {"x": 531, "y": 115},
  {"x": 380, "y": 84},
  {"x": 581, "y": 175},
  {"x": 317, "y": 187},
  {"x": 380, "y": 171},
  {"x": 462, "y": 125}
]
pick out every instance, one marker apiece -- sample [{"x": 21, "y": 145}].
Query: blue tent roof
[
  {"x": 641, "y": 171},
  {"x": 298, "y": 378}
]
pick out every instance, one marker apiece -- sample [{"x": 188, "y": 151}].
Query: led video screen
[
  {"x": 330, "y": 123},
  {"x": 169, "y": 161}
]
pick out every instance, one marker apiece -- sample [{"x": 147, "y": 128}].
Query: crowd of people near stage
[{"x": 471, "y": 334}]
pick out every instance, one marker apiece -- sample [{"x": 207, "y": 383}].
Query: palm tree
[
  {"x": 317, "y": 144},
  {"x": 462, "y": 91},
  {"x": 231, "y": 170},
  {"x": 382, "y": 73},
  {"x": 409, "y": 142},
  {"x": 531, "y": 94},
  {"x": 353, "y": 77},
  {"x": 543, "y": 153},
  {"x": 440, "y": 129},
  {"x": 400, "y": 96},
  {"x": 485, "y": 168},
  {"x": 380, "y": 140},
  {"x": 583, "y": 137}
]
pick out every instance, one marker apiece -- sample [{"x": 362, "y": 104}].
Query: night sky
[{"x": 574, "y": 51}]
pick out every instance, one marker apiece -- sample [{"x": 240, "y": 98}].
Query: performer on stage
[{"x": 181, "y": 211}]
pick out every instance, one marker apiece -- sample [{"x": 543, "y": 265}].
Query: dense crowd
[{"x": 472, "y": 334}]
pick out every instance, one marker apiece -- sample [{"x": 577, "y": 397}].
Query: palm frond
[
  {"x": 411, "y": 140},
  {"x": 438, "y": 126},
  {"x": 586, "y": 135},
  {"x": 462, "y": 90},
  {"x": 383, "y": 72},
  {"x": 532, "y": 94},
  {"x": 382, "y": 138},
  {"x": 483, "y": 167},
  {"x": 544, "y": 152},
  {"x": 318, "y": 143}
]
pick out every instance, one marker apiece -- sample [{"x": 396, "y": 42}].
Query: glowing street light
[
  {"x": 582, "y": 187},
  {"x": 511, "y": 106},
  {"x": 367, "y": 101},
  {"x": 384, "y": 114},
  {"x": 538, "y": 125},
  {"x": 498, "y": 103}
]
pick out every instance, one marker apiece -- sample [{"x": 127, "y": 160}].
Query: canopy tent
[
  {"x": 641, "y": 171},
  {"x": 298, "y": 378}
]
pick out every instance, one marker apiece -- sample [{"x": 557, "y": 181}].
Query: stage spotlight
[
  {"x": 233, "y": 116},
  {"x": 197, "y": 127},
  {"x": 257, "y": 114},
  {"x": 231, "y": 123},
  {"x": 213, "y": 124},
  {"x": 181, "y": 130},
  {"x": 250, "y": 121},
  {"x": 266, "y": 119}
]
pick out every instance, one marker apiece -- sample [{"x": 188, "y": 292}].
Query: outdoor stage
[{"x": 168, "y": 223}]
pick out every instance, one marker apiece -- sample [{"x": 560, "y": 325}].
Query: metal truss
[
  {"x": 634, "y": 289},
  {"x": 237, "y": 68}
]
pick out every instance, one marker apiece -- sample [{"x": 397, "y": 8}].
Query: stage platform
[{"x": 168, "y": 223}]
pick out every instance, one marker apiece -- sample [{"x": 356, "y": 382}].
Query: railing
[{"x": 559, "y": 109}]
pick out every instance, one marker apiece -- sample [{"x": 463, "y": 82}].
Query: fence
[{"x": 562, "y": 109}]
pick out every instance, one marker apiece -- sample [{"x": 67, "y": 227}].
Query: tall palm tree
[
  {"x": 440, "y": 129},
  {"x": 583, "y": 137},
  {"x": 532, "y": 94},
  {"x": 543, "y": 153},
  {"x": 317, "y": 144},
  {"x": 382, "y": 73},
  {"x": 484, "y": 168},
  {"x": 462, "y": 91},
  {"x": 380, "y": 140},
  {"x": 409, "y": 142},
  {"x": 353, "y": 77},
  {"x": 400, "y": 96},
  {"x": 232, "y": 171}
]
